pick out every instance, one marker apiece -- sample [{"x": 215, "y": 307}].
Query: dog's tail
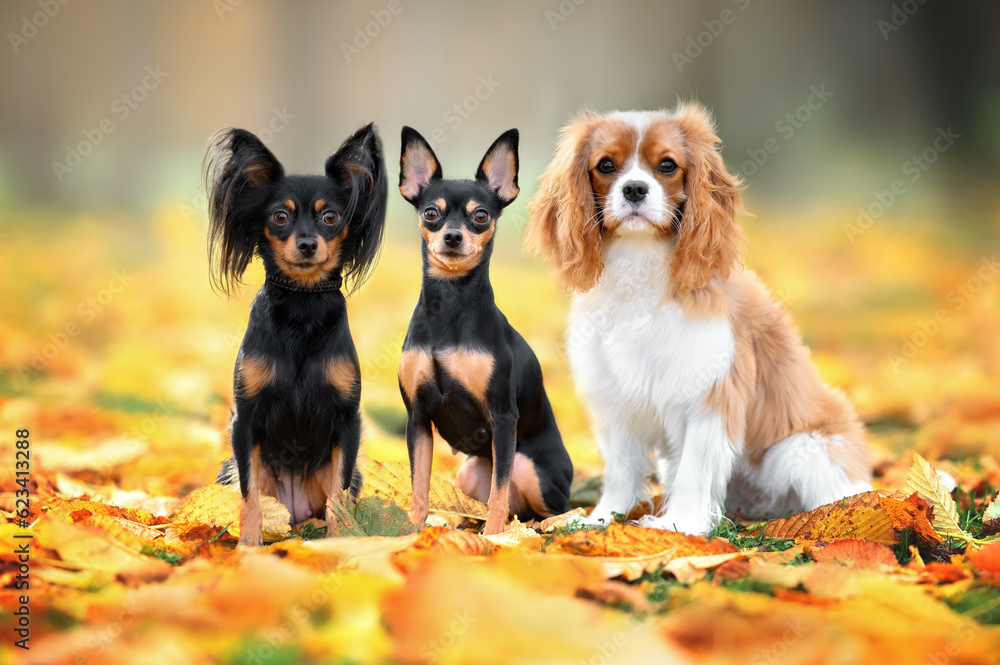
[{"x": 228, "y": 475}]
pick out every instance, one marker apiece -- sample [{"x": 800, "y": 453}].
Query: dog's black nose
[
  {"x": 635, "y": 191},
  {"x": 452, "y": 238},
  {"x": 307, "y": 246}
]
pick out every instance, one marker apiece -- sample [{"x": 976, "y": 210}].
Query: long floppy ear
[
  {"x": 418, "y": 165},
  {"x": 709, "y": 241},
  {"x": 499, "y": 167},
  {"x": 563, "y": 225},
  {"x": 359, "y": 165},
  {"x": 239, "y": 174}
]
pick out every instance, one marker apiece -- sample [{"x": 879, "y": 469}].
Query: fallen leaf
[
  {"x": 628, "y": 540},
  {"x": 550, "y": 524},
  {"x": 913, "y": 513},
  {"x": 392, "y": 480},
  {"x": 219, "y": 505},
  {"x": 924, "y": 480},
  {"x": 801, "y": 525},
  {"x": 858, "y": 523},
  {"x": 369, "y": 516},
  {"x": 854, "y": 554},
  {"x": 517, "y": 535}
]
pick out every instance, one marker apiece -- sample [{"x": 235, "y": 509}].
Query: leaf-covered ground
[{"x": 117, "y": 359}]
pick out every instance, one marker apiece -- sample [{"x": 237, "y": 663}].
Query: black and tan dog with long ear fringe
[
  {"x": 464, "y": 370},
  {"x": 296, "y": 424}
]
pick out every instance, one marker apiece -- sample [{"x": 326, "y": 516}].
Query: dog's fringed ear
[
  {"x": 360, "y": 166},
  {"x": 709, "y": 241},
  {"x": 499, "y": 167},
  {"x": 239, "y": 174},
  {"x": 564, "y": 227},
  {"x": 418, "y": 165}
]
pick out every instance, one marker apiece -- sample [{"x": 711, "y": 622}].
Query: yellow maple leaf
[
  {"x": 219, "y": 505},
  {"x": 392, "y": 480}
]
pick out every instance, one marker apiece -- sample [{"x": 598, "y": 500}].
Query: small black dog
[
  {"x": 296, "y": 424},
  {"x": 464, "y": 369}
]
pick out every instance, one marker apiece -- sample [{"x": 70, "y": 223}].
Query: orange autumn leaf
[
  {"x": 987, "y": 562},
  {"x": 858, "y": 523},
  {"x": 801, "y": 524},
  {"x": 627, "y": 540},
  {"x": 79, "y": 509},
  {"x": 946, "y": 573},
  {"x": 854, "y": 554},
  {"x": 913, "y": 513}
]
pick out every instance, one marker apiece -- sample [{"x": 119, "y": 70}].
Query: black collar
[{"x": 328, "y": 286}]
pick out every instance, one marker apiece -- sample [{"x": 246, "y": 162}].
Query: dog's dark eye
[
  {"x": 481, "y": 217},
  {"x": 280, "y": 217},
  {"x": 330, "y": 217},
  {"x": 606, "y": 166},
  {"x": 668, "y": 166},
  {"x": 431, "y": 214}
]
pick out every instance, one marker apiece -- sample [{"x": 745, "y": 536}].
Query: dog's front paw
[
  {"x": 250, "y": 539},
  {"x": 688, "y": 524}
]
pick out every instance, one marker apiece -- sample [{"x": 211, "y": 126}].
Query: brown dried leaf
[
  {"x": 859, "y": 524},
  {"x": 802, "y": 524},
  {"x": 627, "y": 540}
]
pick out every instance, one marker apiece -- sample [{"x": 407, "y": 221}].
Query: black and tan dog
[
  {"x": 464, "y": 369},
  {"x": 296, "y": 424}
]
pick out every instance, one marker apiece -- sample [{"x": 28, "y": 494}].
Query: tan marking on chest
[
  {"x": 416, "y": 367},
  {"x": 342, "y": 375},
  {"x": 472, "y": 369},
  {"x": 255, "y": 373}
]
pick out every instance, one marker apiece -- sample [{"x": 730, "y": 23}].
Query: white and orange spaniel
[{"x": 680, "y": 355}]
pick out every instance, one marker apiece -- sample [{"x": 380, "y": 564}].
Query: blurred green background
[{"x": 85, "y": 123}]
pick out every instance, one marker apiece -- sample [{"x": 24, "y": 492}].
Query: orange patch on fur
[
  {"x": 423, "y": 456},
  {"x": 254, "y": 374},
  {"x": 258, "y": 173},
  {"x": 441, "y": 204},
  {"x": 497, "y": 509},
  {"x": 473, "y": 369},
  {"x": 311, "y": 272},
  {"x": 443, "y": 266},
  {"x": 527, "y": 490},
  {"x": 251, "y": 517},
  {"x": 416, "y": 367},
  {"x": 319, "y": 205},
  {"x": 290, "y": 204},
  {"x": 471, "y": 206},
  {"x": 342, "y": 375},
  {"x": 773, "y": 389}
]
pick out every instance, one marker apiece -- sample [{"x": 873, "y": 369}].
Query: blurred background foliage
[{"x": 823, "y": 109}]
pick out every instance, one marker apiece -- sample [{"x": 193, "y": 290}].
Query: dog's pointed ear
[
  {"x": 358, "y": 154},
  {"x": 499, "y": 167},
  {"x": 418, "y": 165},
  {"x": 359, "y": 166},
  {"x": 239, "y": 171}
]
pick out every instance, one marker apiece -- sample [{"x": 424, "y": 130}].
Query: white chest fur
[{"x": 631, "y": 348}]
